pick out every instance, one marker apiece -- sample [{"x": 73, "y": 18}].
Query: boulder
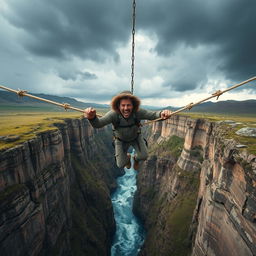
[{"x": 247, "y": 131}]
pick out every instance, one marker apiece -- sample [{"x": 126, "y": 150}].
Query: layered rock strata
[
  {"x": 199, "y": 200},
  {"x": 55, "y": 193},
  {"x": 226, "y": 205},
  {"x": 196, "y": 192}
]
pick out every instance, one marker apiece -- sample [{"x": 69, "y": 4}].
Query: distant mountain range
[
  {"x": 11, "y": 99},
  {"x": 224, "y": 107}
]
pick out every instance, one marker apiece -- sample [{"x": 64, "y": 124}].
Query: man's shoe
[{"x": 128, "y": 166}]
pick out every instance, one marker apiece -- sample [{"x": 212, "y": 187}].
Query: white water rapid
[{"x": 129, "y": 232}]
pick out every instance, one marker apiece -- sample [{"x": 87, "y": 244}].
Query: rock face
[
  {"x": 55, "y": 193},
  {"x": 247, "y": 131},
  {"x": 226, "y": 201},
  {"x": 201, "y": 200},
  {"x": 196, "y": 192}
]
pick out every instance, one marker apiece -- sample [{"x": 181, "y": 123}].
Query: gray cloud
[
  {"x": 82, "y": 75},
  {"x": 87, "y": 75},
  {"x": 196, "y": 41},
  {"x": 85, "y": 91},
  {"x": 62, "y": 28},
  {"x": 227, "y": 25}
]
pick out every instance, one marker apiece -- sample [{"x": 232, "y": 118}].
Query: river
[{"x": 129, "y": 231}]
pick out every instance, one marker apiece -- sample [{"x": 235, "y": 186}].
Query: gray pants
[{"x": 121, "y": 149}]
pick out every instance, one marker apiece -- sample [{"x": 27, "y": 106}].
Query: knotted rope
[
  {"x": 66, "y": 106},
  {"x": 22, "y": 93},
  {"x": 216, "y": 94}
]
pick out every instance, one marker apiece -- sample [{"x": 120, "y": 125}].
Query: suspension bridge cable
[
  {"x": 22, "y": 93},
  {"x": 216, "y": 94},
  {"x": 189, "y": 106}
]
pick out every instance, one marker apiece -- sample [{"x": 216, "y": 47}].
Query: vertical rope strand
[{"x": 133, "y": 43}]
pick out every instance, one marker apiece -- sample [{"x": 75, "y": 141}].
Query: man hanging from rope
[{"x": 125, "y": 117}]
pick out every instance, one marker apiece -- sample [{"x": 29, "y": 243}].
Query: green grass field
[
  {"x": 26, "y": 122},
  {"x": 229, "y": 130},
  {"x": 215, "y": 117}
]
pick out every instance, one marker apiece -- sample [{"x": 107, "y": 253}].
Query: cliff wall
[
  {"x": 196, "y": 195},
  {"x": 196, "y": 192},
  {"x": 226, "y": 205},
  {"x": 55, "y": 193}
]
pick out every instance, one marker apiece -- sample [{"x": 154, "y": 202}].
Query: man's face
[{"x": 125, "y": 107}]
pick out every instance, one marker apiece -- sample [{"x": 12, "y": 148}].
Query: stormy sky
[{"x": 185, "y": 50}]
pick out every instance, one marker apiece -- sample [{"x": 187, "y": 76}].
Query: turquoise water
[{"x": 129, "y": 232}]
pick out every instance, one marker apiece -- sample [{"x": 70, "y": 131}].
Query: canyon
[
  {"x": 195, "y": 193},
  {"x": 199, "y": 199},
  {"x": 55, "y": 193}
]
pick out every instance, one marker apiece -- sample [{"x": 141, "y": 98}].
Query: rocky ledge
[
  {"x": 55, "y": 193},
  {"x": 199, "y": 200}
]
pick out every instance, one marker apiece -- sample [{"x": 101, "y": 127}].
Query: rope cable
[
  {"x": 66, "y": 106},
  {"x": 22, "y": 93},
  {"x": 216, "y": 94}
]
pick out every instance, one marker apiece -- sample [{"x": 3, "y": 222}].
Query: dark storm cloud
[
  {"x": 87, "y": 75},
  {"x": 63, "y": 28},
  {"x": 93, "y": 29},
  {"x": 181, "y": 85},
  {"x": 228, "y": 25},
  {"x": 82, "y": 75}
]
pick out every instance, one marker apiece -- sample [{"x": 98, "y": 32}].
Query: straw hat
[{"x": 115, "y": 102}]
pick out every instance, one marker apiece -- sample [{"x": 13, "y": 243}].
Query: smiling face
[{"x": 126, "y": 107}]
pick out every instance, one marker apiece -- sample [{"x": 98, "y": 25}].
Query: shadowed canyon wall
[
  {"x": 55, "y": 193},
  {"x": 196, "y": 192}
]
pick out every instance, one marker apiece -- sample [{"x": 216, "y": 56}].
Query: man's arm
[
  {"x": 90, "y": 114},
  {"x": 144, "y": 114}
]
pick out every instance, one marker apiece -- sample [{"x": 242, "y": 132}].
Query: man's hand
[
  {"x": 89, "y": 113},
  {"x": 166, "y": 114}
]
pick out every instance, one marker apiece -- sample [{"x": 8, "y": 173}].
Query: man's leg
[
  {"x": 121, "y": 153},
  {"x": 141, "y": 150}
]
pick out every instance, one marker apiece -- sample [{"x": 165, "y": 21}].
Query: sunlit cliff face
[{"x": 126, "y": 107}]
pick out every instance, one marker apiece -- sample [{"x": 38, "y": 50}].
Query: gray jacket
[{"x": 127, "y": 129}]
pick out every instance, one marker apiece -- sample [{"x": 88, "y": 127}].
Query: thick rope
[
  {"x": 66, "y": 106},
  {"x": 216, "y": 94},
  {"x": 133, "y": 44},
  {"x": 22, "y": 93}
]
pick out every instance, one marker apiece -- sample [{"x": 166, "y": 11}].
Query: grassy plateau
[
  {"x": 21, "y": 124},
  {"x": 229, "y": 130}
]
